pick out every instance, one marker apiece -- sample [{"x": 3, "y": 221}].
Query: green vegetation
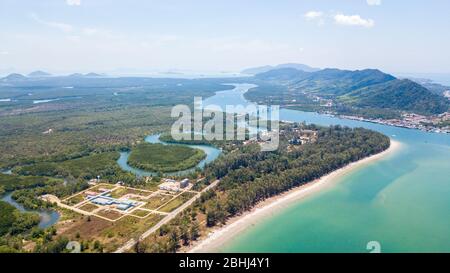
[
  {"x": 78, "y": 137},
  {"x": 12, "y": 221},
  {"x": 15, "y": 225},
  {"x": 398, "y": 94},
  {"x": 367, "y": 93},
  {"x": 27, "y": 189},
  {"x": 15, "y": 182},
  {"x": 29, "y": 197},
  {"x": 164, "y": 158},
  {"x": 76, "y": 133},
  {"x": 89, "y": 117},
  {"x": 157, "y": 201},
  {"x": 176, "y": 202},
  {"x": 87, "y": 167}
]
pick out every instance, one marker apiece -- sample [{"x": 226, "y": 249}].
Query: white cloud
[
  {"x": 61, "y": 26},
  {"x": 353, "y": 20},
  {"x": 311, "y": 15},
  {"x": 373, "y": 2},
  {"x": 73, "y": 2},
  {"x": 315, "y": 16}
]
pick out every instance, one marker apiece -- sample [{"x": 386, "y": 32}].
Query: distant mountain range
[
  {"x": 361, "y": 88},
  {"x": 14, "y": 77},
  {"x": 262, "y": 69},
  {"x": 432, "y": 86},
  {"x": 88, "y": 75},
  {"x": 39, "y": 74}
]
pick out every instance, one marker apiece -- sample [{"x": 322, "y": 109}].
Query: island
[{"x": 164, "y": 158}]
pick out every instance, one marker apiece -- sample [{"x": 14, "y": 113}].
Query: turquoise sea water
[{"x": 401, "y": 201}]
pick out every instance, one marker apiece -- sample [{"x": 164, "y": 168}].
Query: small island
[{"x": 164, "y": 158}]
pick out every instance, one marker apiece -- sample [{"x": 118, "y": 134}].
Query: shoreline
[{"x": 221, "y": 235}]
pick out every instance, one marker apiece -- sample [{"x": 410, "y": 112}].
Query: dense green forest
[
  {"x": 12, "y": 221},
  {"x": 93, "y": 115},
  {"x": 399, "y": 94},
  {"x": 15, "y": 182},
  {"x": 18, "y": 229},
  {"x": 164, "y": 158},
  {"x": 249, "y": 176},
  {"x": 86, "y": 167}
]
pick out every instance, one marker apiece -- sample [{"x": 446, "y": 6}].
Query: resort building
[
  {"x": 184, "y": 183},
  {"x": 104, "y": 200},
  {"x": 173, "y": 185}
]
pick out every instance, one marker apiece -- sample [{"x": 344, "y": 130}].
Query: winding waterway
[
  {"x": 401, "y": 201},
  {"x": 211, "y": 154},
  {"x": 48, "y": 217}
]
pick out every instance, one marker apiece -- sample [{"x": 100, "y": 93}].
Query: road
[
  {"x": 53, "y": 199},
  {"x": 128, "y": 245}
]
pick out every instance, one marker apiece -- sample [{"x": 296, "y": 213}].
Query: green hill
[
  {"x": 398, "y": 94},
  {"x": 368, "y": 88}
]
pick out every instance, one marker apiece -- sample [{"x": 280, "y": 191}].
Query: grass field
[
  {"x": 74, "y": 200},
  {"x": 124, "y": 191},
  {"x": 140, "y": 213},
  {"x": 164, "y": 158},
  {"x": 156, "y": 201},
  {"x": 178, "y": 201}
]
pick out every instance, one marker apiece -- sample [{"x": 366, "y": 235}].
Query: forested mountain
[
  {"x": 369, "y": 88},
  {"x": 398, "y": 94}
]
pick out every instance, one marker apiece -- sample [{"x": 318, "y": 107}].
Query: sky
[{"x": 114, "y": 36}]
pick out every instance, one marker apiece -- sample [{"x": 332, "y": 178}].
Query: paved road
[{"x": 128, "y": 245}]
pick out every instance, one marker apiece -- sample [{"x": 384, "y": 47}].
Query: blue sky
[{"x": 223, "y": 35}]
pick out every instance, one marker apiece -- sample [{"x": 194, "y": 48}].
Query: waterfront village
[
  {"x": 434, "y": 123},
  {"x": 413, "y": 121}
]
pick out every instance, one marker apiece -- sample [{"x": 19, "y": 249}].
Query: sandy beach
[{"x": 215, "y": 239}]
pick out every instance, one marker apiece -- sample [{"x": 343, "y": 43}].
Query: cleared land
[{"x": 109, "y": 227}]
